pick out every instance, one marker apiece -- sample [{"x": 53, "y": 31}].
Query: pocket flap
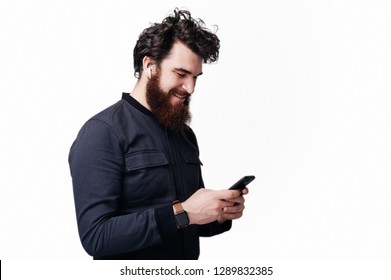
[
  {"x": 144, "y": 159},
  {"x": 191, "y": 157}
]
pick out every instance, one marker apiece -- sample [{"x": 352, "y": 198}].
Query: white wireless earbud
[{"x": 149, "y": 71}]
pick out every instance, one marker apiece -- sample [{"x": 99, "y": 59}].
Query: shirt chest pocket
[
  {"x": 192, "y": 169},
  {"x": 145, "y": 159},
  {"x": 147, "y": 178}
]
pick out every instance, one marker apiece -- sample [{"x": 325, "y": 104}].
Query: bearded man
[{"x": 135, "y": 166}]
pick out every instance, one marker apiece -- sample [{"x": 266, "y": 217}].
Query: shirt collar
[{"x": 126, "y": 96}]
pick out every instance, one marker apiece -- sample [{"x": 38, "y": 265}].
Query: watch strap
[{"x": 178, "y": 208}]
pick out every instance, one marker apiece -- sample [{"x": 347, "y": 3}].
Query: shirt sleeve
[
  {"x": 96, "y": 164},
  {"x": 214, "y": 228}
]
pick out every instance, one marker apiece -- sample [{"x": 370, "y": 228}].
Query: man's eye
[{"x": 180, "y": 74}]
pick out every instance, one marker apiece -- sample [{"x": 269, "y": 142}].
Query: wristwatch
[{"x": 182, "y": 220}]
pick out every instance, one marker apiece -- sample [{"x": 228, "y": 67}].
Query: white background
[{"x": 300, "y": 98}]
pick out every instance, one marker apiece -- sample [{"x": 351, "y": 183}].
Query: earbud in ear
[{"x": 149, "y": 71}]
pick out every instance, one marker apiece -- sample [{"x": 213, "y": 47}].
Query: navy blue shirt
[{"x": 127, "y": 169}]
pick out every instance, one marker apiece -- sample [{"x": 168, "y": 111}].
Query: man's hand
[
  {"x": 236, "y": 210},
  {"x": 206, "y": 205}
]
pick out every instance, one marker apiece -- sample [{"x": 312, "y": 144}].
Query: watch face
[{"x": 182, "y": 219}]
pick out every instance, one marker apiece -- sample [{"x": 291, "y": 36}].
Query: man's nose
[{"x": 189, "y": 86}]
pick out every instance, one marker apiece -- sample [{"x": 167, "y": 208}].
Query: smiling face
[
  {"x": 180, "y": 70},
  {"x": 169, "y": 89}
]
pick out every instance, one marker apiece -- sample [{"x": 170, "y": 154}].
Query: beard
[{"x": 172, "y": 116}]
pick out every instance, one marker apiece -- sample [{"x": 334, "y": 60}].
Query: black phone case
[{"x": 239, "y": 185}]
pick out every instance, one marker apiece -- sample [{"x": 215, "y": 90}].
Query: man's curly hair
[{"x": 157, "y": 40}]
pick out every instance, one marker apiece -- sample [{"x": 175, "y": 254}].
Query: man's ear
[{"x": 148, "y": 64}]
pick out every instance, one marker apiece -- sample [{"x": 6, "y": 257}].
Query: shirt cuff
[
  {"x": 223, "y": 226},
  {"x": 165, "y": 221}
]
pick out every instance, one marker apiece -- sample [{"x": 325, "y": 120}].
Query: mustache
[{"x": 179, "y": 93}]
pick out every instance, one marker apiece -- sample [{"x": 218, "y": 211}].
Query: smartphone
[{"x": 239, "y": 185}]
